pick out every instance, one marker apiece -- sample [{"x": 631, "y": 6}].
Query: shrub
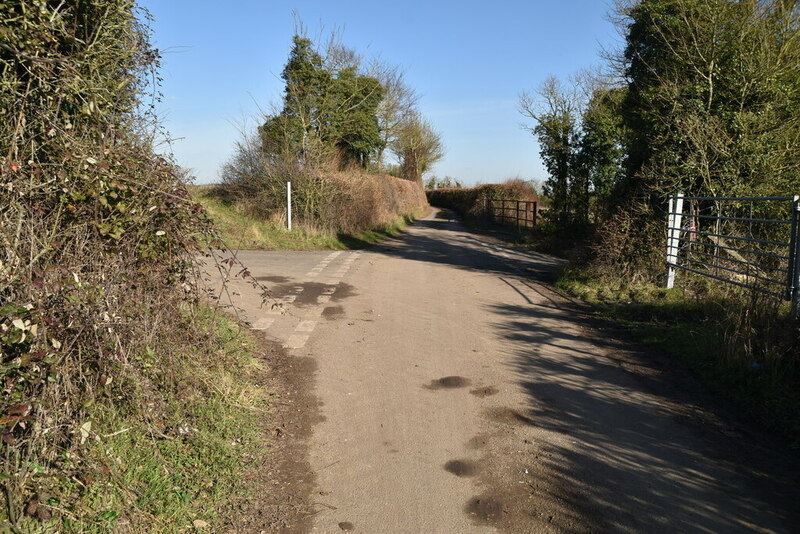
[{"x": 337, "y": 202}]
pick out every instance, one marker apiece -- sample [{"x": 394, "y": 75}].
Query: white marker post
[
  {"x": 289, "y": 205},
  {"x": 673, "y": 236}
]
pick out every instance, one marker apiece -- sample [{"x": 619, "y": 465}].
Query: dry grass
[
  {"x": 242, "y": 230},
  {"x": 363, "y": 201},
  {"x": 323, "y": 203}
]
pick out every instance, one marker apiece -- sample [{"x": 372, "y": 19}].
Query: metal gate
[{"x": 750, "y": 242}]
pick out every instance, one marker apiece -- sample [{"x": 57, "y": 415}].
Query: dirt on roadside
[{"x": 281, "y": 480}]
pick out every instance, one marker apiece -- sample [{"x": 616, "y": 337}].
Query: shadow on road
[
  {"x": 655, "y": 459},
  {"x": 649, "y": 450},
  {"x": 453, "y": 245}
]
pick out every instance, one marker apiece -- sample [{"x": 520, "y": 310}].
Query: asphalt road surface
[{"x": 460, "y": 393}]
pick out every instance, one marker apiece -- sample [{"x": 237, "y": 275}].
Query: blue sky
[{"x": 468, "y": 60}]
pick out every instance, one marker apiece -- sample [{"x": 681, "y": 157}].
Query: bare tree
[
  {"x": 556, "y": 110},
  {"x": 398, "y": 104},
  {"x": 418, "y": 146}
]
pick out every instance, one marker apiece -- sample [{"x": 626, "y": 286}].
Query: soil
[{"x": 281, "y": 481}]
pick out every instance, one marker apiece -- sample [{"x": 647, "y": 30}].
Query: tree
[
  {"x": 709, "y": 108},
  {"x": 714, "y": 95},
  {"x": 556, "y": 129},
  {"x": 354, "y": 122},
  {"x": 326, "y": 115},
  {"x": 418, "y": 146},
  {"x": 601, "y": 147},
  {"x": 398, "y": 104}
]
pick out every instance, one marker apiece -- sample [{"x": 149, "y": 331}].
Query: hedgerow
[
  {"x": 98, "y": 257},
  {"x": 472, "y": 201}
]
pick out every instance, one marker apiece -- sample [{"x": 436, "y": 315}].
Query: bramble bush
[{"x": 99, "y": 248}]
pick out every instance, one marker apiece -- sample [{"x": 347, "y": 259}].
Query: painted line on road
[
  {"x": 304, "y": 329},
  {"x": 318, "y": 268},
  {"x": 296, "y": 341},
  {"x": 306, "y": 326},
  {"x": 263, "y": 323},
  {"x": 310, "y": 319}
]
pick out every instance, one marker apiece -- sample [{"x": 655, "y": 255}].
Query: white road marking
[
  {"x": 308, "y": 323},
  {"x": 343, "y": 268},
  {"x": 316, "y": 311},
  {"x": 306, "y": 326},
  {"x": 296, "y": 341},
  {"x": 263, "y": 323}
]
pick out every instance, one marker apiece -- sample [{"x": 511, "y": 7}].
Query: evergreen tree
[
  {"x": 326, "y": 115},
  {"x": 601, "y": 148}
]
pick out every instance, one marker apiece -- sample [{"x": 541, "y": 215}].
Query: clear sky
[{"x": 467, "y": 59}]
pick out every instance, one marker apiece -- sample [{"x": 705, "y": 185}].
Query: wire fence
[{"x": 750, "y": 242}]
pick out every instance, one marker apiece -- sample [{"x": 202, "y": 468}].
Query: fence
[
  {"x": 750, "y": 242},
  {"x": 522, "y": 213}
]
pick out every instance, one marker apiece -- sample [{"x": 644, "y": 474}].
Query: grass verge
[
  {"x": 170, "y": 472},
  {"x": 241, "y": 231},
  {"x": 743, "y": 346}
]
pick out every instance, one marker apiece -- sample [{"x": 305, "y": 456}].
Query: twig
[
  {"x": 31, "y": 58},
  {"x": 331, "y": 464}
]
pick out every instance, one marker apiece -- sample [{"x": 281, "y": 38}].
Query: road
[{"x": 460, "y": 393}]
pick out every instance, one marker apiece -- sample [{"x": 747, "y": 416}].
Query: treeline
[
  {"x": 704, "y": 99},
  {"x": 340, "y": 116}
]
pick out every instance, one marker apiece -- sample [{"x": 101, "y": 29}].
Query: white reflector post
[
  {"x": 673, "y": 236},
  {"x": 289, "y": 205}
]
